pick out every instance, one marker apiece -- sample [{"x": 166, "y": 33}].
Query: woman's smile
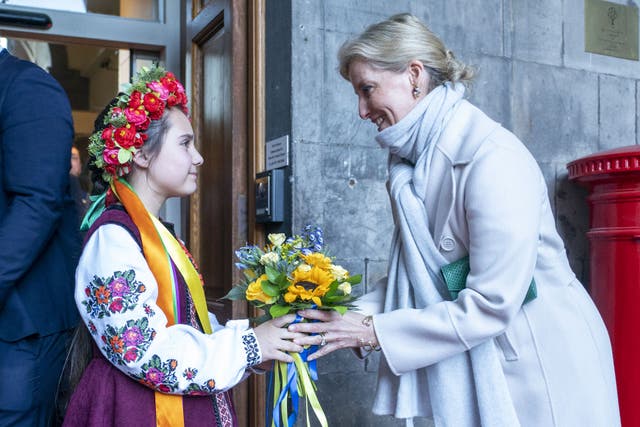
[
  {"x": 384, "y": 97},
  {"x": 378, "y": 122}
]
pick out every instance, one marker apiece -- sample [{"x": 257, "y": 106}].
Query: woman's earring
[{"x": 416, "y": 92}]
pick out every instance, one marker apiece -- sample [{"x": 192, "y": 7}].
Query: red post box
[{"x": 613, "y": 179}]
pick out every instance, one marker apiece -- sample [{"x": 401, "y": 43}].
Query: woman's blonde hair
[{"x": 392, "y": 44}]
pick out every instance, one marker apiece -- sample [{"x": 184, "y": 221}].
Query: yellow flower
[
  {"x": 291, "y": 294},
  {"x": 255, "y": 292},
  {"x": 309, "y": 285},
  {"x": 314, "y": 275},
  {"x": 277, "y": 239},
  {"x": 339, "y": 273},
  {"x": 345, "y": 287},
  {"x": 318, "y": 260},
  {"x": 269, "y": 258}
]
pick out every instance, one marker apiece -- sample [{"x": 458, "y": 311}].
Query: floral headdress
[{"x": 151, "y": 91}]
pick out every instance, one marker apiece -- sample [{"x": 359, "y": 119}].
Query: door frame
[
  {"x": 112, "y": 31},
  {"x": 246, "y": 20}
]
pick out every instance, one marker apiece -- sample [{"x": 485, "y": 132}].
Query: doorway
[
  {"x": 224, "y": 51},
  {"x": 216, "y": 48},
  {"x": 92, "y": 48}
]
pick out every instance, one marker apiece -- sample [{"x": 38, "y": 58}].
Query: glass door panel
[
  {"x": 90, "y": 75},
  {"x": 138, "y": 9},
  {"x": 104, "y": 42}
]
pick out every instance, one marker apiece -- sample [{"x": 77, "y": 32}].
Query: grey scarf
[{"x": 467, "y": 389}]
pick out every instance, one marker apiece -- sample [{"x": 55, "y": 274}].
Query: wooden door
[{"x": 224, "y": 72}]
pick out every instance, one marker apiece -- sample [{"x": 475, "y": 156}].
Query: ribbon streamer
[{"x": 294, "y": 381}]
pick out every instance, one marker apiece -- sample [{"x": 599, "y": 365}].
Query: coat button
[{"x": 447, "y": 244}]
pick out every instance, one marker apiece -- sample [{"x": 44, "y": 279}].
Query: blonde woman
[{"x": 521, "y": 344}]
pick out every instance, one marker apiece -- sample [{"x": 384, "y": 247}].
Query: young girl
[{"x": 159, "y": 357}]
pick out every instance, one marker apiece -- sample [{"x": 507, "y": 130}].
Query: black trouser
[{"x": 29, "y": 374}]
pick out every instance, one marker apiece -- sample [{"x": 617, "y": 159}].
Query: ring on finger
[{"x": 324, "y": 339}]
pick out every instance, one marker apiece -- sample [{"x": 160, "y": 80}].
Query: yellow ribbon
[
  {"x": 152, "y": 247},
  {"x": 280, "y": 378},
  {"x": 188, "y": 271},
  {"x": 308, "y": 390},
  {"x": 158, "y": 245}
]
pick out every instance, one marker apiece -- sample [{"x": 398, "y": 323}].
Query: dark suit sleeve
[{"x": 36, "y": 133}]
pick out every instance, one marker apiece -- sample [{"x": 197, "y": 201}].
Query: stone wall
[{"x": 533, "y": 76}]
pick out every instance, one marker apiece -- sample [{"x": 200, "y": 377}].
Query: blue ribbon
[{"x": 290, "y": 388}]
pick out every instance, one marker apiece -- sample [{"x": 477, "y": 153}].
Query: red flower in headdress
[
  {"x": 137, "y": 116},
  {"x": 125, "y": 135},
  {"x": 135, "y": 99},
  {"x": 153, "y": 105},
  {"x": 151, "y": 92}
]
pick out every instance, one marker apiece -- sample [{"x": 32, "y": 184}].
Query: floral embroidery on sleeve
[
  {"x": 92, "y": 327},
  {"x": 129, "y": 342},
  {"x": 115, "y": 294},
  {"x": 194, "y": 389},
  {"x": 159, "y": 375},
  {"x": 202, "y": 390},
  {"x": 148, "y": 310},
  {"x": 251, "y": 347},
  {"x": 117, "y": 298},
  {"x": 190, "y": 373}
]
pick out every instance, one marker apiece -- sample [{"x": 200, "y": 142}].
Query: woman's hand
[
  {"x": 275, "y": 340},
  {"x": 334, "y": 331}
]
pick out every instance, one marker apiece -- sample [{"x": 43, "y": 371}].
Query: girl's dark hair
[{"x": 99, "y": 185}]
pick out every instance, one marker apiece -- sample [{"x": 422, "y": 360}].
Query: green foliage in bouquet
[{"x": 291, "y": 274}]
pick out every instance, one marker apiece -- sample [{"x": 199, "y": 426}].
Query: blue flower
[
  {"x": 248, "y": 255},
  {"x": 314, "y": 237}
]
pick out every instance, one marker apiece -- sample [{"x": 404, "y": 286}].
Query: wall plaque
[
  {"x": 277, "y": 153},
  {"x": 611, "y": 29}
]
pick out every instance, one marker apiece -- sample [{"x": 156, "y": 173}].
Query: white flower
[
  {"x": 269, "y": 258},
  {"x": 345, "y": 287},
  {"x": 339, "y": 273},
  {"x": 277, "y": 239},
  {"x": 304, "y": 267}
]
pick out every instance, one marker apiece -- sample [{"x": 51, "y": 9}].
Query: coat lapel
[
  {"x": 440, "y": 194},
  {"x": 456, "y": 148}
]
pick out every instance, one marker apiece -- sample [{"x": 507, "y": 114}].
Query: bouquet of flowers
[{"x": 287, "y": 275}]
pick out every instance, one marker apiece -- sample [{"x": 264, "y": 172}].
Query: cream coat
[{"x": 487, "y": 198}]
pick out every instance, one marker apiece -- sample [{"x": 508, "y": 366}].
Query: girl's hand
[{"x": 275, "y": 340}]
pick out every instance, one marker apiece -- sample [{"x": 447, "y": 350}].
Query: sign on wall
[
  {"x": 611, "y": 29},
  {"x": 277, "y": 151}
]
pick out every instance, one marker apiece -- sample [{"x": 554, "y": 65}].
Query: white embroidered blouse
[{"x": 116, "y": 295}]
